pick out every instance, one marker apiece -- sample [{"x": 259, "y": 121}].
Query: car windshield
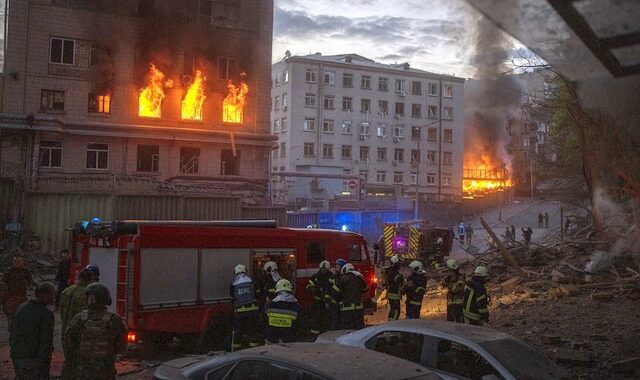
[{"x": 521, "y": 360}]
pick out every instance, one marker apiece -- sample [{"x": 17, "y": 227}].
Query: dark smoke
[{"x": 493, "y": 96}]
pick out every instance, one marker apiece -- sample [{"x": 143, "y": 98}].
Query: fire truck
[
  {"x": 170, "y": 278},
  {"x": 416, "y": 240}
]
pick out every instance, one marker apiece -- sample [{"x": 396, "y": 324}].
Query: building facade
[
  {"x": 138, "y": 96},
  {"x": 349, "y": 126}
]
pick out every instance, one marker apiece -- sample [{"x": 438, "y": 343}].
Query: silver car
[
  {"x": 453, "y": 350},
  {"x": 294, "y": 361}
]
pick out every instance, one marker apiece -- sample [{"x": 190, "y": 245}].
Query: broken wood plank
[
  {"x": 503, "y": 250},
  {"x": 601, "y": 296}
]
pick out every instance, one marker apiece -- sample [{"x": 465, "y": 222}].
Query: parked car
[
  {"x": 454, "y": 350},
  {"x": 293, "y": 361}
]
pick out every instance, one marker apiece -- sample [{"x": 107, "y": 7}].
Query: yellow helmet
[
  {"x": 452, "y": 264},
  {"x": 481, "y": 271},
  {"x": 284, "y": 286}
]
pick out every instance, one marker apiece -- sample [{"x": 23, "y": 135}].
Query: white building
[{"x": 349, "y": 117}]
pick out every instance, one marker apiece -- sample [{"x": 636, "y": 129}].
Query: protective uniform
[
  {"x": 94, "y": 337},
  {"x": 16, "y": 280},
  {"x": 455, "y": 283},
  {"x": 475, "y": 302},
  {"x": 335, "y": 295},
  {"x": 31, "y": 340},
  {"x": 350, "y": 286},
  {"x": 394, "y": 281},
  {"x": 283, "y": 315},
  {"x": 415, "y": 288},
  {"x": 268, "y": 288},
  {"x": 247, "y": 315},
  {"x": 320, "y": 287}
]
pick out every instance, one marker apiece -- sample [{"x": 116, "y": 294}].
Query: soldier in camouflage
[
  {"x": 95, "y": 336},
  {"x": 16, "y": 280}
]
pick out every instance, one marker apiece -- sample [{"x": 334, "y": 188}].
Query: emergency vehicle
[
  {"x": 173, "y": 277},
  {"x": 416, "y": 240}
]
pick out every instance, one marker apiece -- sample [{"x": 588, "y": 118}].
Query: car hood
[{"x": 331, "y": 336}]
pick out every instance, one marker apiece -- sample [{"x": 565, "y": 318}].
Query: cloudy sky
[{"x": 433, "y": 35}]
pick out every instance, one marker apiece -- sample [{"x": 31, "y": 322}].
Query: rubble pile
[{"x": 42, "y": 263}]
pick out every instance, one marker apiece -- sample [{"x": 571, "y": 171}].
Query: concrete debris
[
  {"x": 572, "y": 357},
  {"x": 551, "y": 339}
]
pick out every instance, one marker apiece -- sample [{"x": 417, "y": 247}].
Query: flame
[
  {"x": 194, "y": 99},
  {"x": 233, "y": 105},
  {"x": 482, "y": 174},
  {"x": 151, "y": 96}
]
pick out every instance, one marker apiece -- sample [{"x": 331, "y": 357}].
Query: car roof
[{"x": 330, "y": 360}]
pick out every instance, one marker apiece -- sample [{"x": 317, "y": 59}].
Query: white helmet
[
  {"x": 394, "y": 259},
  {"x": 240, "y": 268},
  {"x": 481, "y": 271},
  {"x": 416, "y": 266},
  {"x": 324, "y": 264},
  {"x": 452, "y": 264},
  {"x": 348, "y": 267},
  {"x": 270, "y": 266},
  {"x": 284, "y": 285}
]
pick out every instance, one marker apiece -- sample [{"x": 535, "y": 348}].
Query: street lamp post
[{"x": 415, "y": 203}]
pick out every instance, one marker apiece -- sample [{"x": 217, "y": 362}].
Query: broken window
[
  {"x": 100, "y": 54},
  {"x": 229, "y": 163},
  {"x": 462, "y": 361},
  {"x": 226, "y": 68},
  {"x": 148, "y": 158},
  {"x": 189, "y": 160},
  {"x": 401, "y": 344}
]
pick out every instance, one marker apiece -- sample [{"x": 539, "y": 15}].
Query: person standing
[
  {"x": 247, "y": 315},
  {"x": 526, "y": 234},
  {"x": 475, "y": 302},
  {"x": 31, "y": 338},
  {"x": 540, "y": 220},
  {"x": 416, "y": 286},
  {"x": 320, "y": 288},
  {"x": 283, "y": 315},
  {"x": 16, "y": 279},
  {"x": 461, "y": 232},
  {"x": 393, "y": 283},
  {"x": 95, "y": 336},
  {"x": 469, "y": 233},
  {"x": 335, "y": 295},
  {"x": 455, "y": 283},
  {"x": 62, "y": 277},
  {"x": 72, "y": 301},
  {"x": 350, "y": 286},
  {"x": 268, "y": 289},
  {"x": 95, "y": 271},
  {"x": 513, "y": 232},
  {"x": 546, "y": 219}
]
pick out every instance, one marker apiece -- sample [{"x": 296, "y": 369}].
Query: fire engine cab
[
  {"x": 416, "y": 240},
  {"x": 173, "y": 277}
]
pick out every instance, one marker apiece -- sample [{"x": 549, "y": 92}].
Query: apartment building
[
  {"x": 138, "y": 96},
  {"x": 350, "y": 126}
]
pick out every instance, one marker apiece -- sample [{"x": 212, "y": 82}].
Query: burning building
[{"x": 138, "y": 97}]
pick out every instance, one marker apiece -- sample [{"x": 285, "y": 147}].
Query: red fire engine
[{"x": 172, "y": 277}]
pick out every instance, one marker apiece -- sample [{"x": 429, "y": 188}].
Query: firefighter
[
  {"x": 475, "y": 301},
  {"x": 95, "y": 336},
  {"x": 320, "y": 287},
  {"x": 334, "y": 295},
  {"x": 268, "y": 288},
  {"x": 247, "y": 315},
  {"x": 350, "y": 286},
  {"x": 455, "y": 283},
  {"x": 415, "y": 288},
  {"x": 283, "y": 315},
  {"x": 394, "y": 281},
  {"x": 72, "y": 301},
  {"x": 16, "y": 279}
]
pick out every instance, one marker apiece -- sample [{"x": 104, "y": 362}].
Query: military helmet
[
  {"x": 416, "y": 266},
  {"x": 240, "y": 268},
  {"x": 324, "y": 264},
  {"x": 284, "y": 286},
  {"x": 270, "y": 266},
  {"x": 348, "y": 267},
  {"x": 481, "y": 271},
  {"x": 395, "y": 259},
  {"x": 103, "y": 297},
  {"x": 452, "y": 264},
  {"x": 95, "y": 270}
]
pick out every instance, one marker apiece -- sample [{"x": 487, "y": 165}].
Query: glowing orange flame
[
  {"x": 481, "y": 174},
  {"x": 233, "y": 105},
  {"x": 151, "y": 96},
  {"x": 194, "y": 99}
]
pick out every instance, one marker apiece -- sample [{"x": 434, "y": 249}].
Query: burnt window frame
[
  {"x": 196, "y": 167},
  {"x": 234, "y": 168}
]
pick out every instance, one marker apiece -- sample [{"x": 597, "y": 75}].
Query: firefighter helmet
[
  {"x": 270, "y": 266},
  {"x": 240, "y": 268},
  {"x": 324, "y": 264},
  {"x": 348, "y": 267},
  {"x": 341, "y": 262},
  {"x": 416, "y": 266},
  {"x": 100, "y": 292},
  {"x": 395, "y": 259},
  {"x": 284, "y": 286},
  {"x": 481, "y": 271},
  {"x": 452, "y": 264}
]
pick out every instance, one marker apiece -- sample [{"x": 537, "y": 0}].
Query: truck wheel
[{"x": 217, "y": 335}]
